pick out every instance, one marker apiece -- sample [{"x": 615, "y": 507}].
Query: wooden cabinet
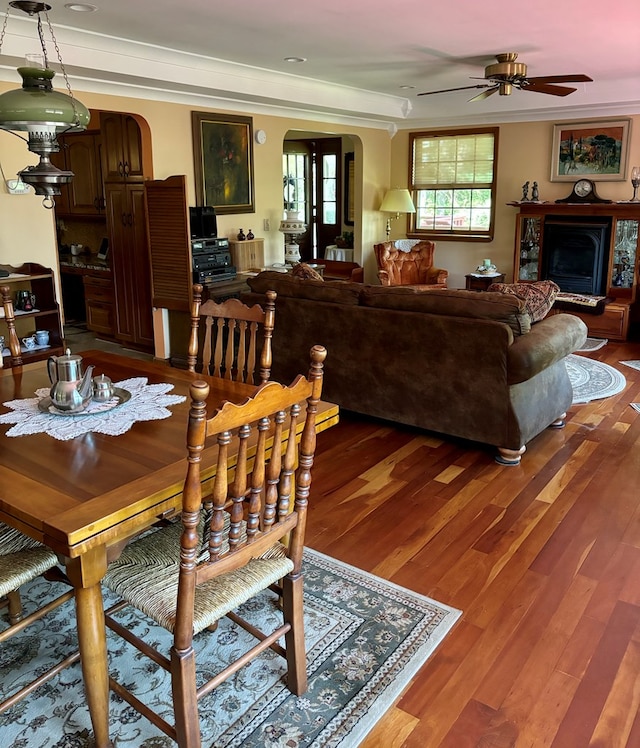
[
  {"x": 99, "y": 303},
  {"x": 123, "y": 158},
  {"x": 619, "y": 225},
  {"x": 37, "y": 281},
  {"x": 169, "y": 243},
  {"x": 130, "y": 263},
  {"x": 81, "y": 154},
  {"x": 247, "y": 254}
]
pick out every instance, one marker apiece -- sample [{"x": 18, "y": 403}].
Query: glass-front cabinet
[
  {"x": 591, "y": 246},
  {"x": 528, "y": 242},
  {"x": 624, "y": 258}
]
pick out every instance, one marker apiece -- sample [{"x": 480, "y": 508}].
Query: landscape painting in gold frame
[
  {"x": 596, "y": 150},
  {"x": 223, "y": 154}
]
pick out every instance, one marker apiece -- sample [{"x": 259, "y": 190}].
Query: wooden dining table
[{"x": 85, "y": 497}]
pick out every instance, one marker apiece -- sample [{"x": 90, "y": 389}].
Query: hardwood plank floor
[{"x": 543, "y": 559}]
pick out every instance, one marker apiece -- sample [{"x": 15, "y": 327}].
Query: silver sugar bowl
[{"x": 103, "y": 389}]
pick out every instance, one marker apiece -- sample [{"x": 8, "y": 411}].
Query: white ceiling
[{"x": 360, "y": 53}]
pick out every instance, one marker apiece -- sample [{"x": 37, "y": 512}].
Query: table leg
[{"x": 85, "y": 574}]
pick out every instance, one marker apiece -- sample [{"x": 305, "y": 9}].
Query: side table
[{"x": 478, "y": 282}]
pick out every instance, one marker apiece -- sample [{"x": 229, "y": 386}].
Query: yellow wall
[
  {"x": 524, "y": 154},
  {"x": 27, "y": 229}
]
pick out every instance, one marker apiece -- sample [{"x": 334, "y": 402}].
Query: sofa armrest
[{"x": 550, "y": 340}]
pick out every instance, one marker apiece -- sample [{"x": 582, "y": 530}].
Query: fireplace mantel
[{"x": 620, "y": 258}]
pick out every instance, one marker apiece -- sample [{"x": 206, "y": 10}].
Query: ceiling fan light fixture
[{"x": 506, "y": 74}]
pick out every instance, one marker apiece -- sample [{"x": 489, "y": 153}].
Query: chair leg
[
  {"x": 15, "y": 606},
  {"x": 292, "y": 606},
  {"x": 185, "y": 701}
]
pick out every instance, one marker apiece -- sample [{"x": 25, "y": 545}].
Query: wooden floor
[{"x": 543, "y": 559}]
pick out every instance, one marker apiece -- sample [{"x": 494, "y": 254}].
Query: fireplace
[{"x": 576, "y": 253}]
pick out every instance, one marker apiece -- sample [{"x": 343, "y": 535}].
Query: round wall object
[{"x": 261, "y": 137}]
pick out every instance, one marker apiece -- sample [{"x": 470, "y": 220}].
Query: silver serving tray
[{"x": 46, "y": 406}]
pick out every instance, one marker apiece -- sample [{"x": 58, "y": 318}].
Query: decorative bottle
[
  {"x": 241, "y": 236},
  {"x": 250, "y": 235}
]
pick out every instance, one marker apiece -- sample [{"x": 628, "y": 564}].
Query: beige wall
[
  {"x": 524, "y": 154},
  {"x": 27, "y": 229}
]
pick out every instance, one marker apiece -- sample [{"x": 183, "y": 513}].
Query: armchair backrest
[{"x": 415, "y": 267}]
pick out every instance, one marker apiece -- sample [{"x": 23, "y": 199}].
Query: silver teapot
[{"x": 71, "y": 390}]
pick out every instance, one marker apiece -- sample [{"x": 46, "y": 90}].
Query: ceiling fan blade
[
  {"x": 485, "y": 94},
  {"x": 547, "y": 88},
  {"x": 561, "y": 79},
  {"x": 447, "y": 90}
]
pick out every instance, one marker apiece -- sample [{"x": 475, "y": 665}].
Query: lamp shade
[
  {"x": 398, "y": 200},
  {"x": 36, "y": 107}
]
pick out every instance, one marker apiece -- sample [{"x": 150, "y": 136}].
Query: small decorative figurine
[
  {"x": 525, "y": 192},
  {"x": 534, "y": 192},
  {"x": 250, "y": 235},
  {"x": 241, "y": 236}
]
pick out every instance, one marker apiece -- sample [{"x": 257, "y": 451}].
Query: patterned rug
[
  {"x": 593, "y": 380},
  {"x": 635, "y": 364},
  {"x": 366, "y": 638},
  {"x": 593, "y": 344}
]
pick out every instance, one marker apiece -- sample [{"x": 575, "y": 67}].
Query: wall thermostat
[{"x": 261, "y": 137}]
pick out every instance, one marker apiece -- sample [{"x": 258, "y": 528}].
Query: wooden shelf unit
[
  {"x": 614, "y": 322},
  {"x": 247, "y": 254},
  {"x": 38, "y": 281}
]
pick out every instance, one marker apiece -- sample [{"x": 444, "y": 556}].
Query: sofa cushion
[
  {"x": 538, "y": 296},
  {"x": 284, "y": 284},
  {"x": 497, "y": 307}
]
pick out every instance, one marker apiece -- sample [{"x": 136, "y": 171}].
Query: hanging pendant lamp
[{"x": 40, "y": 111}]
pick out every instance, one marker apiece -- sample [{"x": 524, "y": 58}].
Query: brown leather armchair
[{"x": 412, "y": 268}]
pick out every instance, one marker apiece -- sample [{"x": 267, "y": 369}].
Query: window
[
  {"x": 294, "y": 182},
  {"x": 453, "y": 177}
]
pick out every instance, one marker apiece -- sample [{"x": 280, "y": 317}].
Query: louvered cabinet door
[{"x": 169, "y": 243}]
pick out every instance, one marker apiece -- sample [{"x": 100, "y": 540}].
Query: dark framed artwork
[
  {"x": 223, "y": 153},
  {"x": 349, "y": 172},
  {"x": 597, "y": 150}
]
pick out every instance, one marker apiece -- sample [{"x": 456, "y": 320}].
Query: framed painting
[
  {"x": 222, "y": 148},
  {"x": 597, "y": 150}
]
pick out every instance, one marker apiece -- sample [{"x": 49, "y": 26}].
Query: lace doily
[
  {"x": 148, "y": 402},
  {"x": 405, "y": 245}
]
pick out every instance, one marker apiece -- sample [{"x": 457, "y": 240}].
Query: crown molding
[{"x": 128, "y": 67}]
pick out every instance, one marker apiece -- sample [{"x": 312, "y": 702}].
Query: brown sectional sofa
[{"x": 456, "y": 362}]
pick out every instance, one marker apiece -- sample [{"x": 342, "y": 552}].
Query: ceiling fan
[{"x": 507, "y": 74}]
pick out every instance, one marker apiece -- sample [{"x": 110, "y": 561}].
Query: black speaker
[{"x": 203, "y": 222}]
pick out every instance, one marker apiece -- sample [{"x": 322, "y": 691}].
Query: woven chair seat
[
  {"x": 146, "y": 576},
  {"x": 21, "y": 559}
]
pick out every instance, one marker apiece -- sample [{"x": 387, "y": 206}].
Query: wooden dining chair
[
  {"x": 22, "y": 560},
  {"x": 231, "y": 336},
  {"x": 188, "y": 576},
  {"x": 13, "y": 343}
]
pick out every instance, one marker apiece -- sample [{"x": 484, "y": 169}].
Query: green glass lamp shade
[{"x": 37, "y": 107}]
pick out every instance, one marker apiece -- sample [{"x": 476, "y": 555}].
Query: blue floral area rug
[
  {"x": 593, "y": 380},
  {"x": 365, "y": 639}
]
